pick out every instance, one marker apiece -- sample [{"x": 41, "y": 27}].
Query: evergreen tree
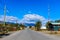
[{"x": 38, "y": 25}]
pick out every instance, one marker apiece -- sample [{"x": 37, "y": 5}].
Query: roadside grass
[
  {"x": 57, "y": 33},
  {"x": 7, "y": 34}
]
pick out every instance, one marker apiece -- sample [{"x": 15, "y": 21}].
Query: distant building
[
  {"x": 56, "y": 26},
  {"x": 43, "y": 27}
]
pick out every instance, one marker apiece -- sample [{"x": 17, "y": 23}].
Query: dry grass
[
  {"x": 33, "y": 28},
  {"x": 57, "y": 33}
]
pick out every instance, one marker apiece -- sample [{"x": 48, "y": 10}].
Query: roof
[{"x": 56, "y": 23}]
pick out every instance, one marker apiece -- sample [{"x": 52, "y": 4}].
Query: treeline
[
  {"x": 10, "y": 27},
  {"x": 16, "y": 26},
  {"x": 48, "y": 25}
]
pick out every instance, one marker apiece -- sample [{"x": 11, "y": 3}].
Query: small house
[{"x": 56, "y": 26}]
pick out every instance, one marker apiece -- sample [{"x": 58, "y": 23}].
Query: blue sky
[{"x": 19, "y": 8}]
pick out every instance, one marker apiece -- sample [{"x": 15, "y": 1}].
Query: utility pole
[
  {"x": 48, "y": 13},
  {"x": 16, "y": 21},
  {"x": 4, "y": 14}
]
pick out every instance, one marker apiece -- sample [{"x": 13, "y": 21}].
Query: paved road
[{"x": 29, "y": 35}]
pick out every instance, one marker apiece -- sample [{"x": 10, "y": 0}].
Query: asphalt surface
[{"x": 30, "y": 35}]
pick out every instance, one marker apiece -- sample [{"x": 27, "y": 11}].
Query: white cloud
[
  {"x": 28, "y": 18},
  {"x": 9, "y": 18},
  {"x": 32, "y": 18}
]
